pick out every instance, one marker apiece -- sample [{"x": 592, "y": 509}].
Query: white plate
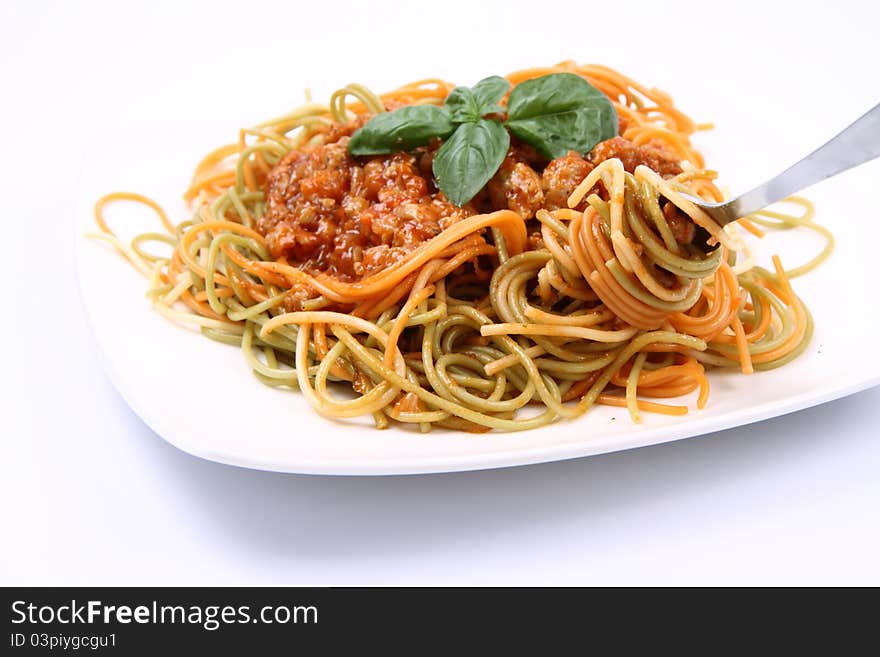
[{"x": 201, "y": 397}]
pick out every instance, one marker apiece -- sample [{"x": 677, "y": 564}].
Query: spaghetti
[{"x": 554, "y": 309}]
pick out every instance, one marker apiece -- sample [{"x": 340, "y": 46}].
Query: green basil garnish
[
  {"x": 469, "y": 159},
  {"x": 555, "y": 113},
  {"x": 401, "y": 130},
  {"x": 468, "y": 105},
  {"x": 560, "y": 113}
]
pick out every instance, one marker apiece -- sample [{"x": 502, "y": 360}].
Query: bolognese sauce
[
  {"x": 329, "y": 212},
  {"x": 347, "y": 217}
]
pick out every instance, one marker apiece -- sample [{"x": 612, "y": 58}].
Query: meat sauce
[
  {"x": 632, "y": 155},
  {"x": 331, "y": 213},
  {"x": 352, "y": 217}
]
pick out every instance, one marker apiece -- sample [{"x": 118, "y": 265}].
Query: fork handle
[{"x": 857, "y": 144}]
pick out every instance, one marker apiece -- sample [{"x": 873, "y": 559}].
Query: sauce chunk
[{"x": 632, "y": 155}]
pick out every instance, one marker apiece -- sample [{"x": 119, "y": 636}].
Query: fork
[{"x": 855, "y": 145}]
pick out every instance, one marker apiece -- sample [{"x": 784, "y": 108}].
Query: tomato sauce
[{"x": 348, "y": 217}]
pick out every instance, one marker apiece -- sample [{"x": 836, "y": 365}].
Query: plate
[{"x": 200, "y": 395}]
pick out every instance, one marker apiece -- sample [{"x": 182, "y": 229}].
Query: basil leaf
[
  {"x": 401, "y": 130},
  {"x": 462, "y": 105},
  {"x": 468, "y": 105},
  {"x": 560, "y": 112},
  {"x": 488, "y": 92},
  {"x": 468, "y": 159}
]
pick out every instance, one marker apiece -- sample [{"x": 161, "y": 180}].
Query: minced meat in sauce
[
  {"x": 561, "y": 177},
  {"x": 632, "y": 155},
  {"x": 352, "y": 217},
  {"x": 347, "y": 217},
  {"x": 516, "y": 186}
]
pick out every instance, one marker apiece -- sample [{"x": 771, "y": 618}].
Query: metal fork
[{"x": 857, "y": 144}]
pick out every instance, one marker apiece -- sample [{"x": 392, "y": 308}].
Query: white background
[{"x": 89, "y": 495}]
